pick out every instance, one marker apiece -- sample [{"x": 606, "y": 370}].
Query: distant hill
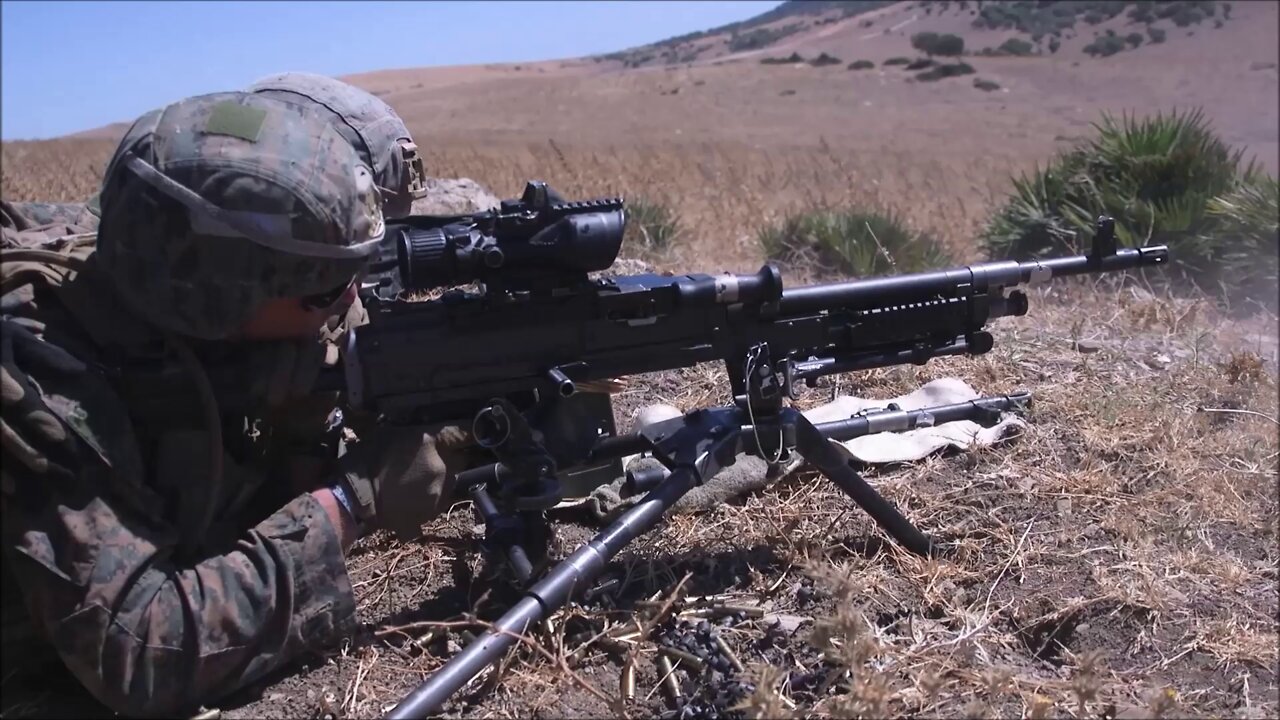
[
  {"x": 753, "y": 33},
  {"x": 1022, "y": 27}
]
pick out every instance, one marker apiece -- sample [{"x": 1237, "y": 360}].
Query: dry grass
[{"x": 722, "y": 191}]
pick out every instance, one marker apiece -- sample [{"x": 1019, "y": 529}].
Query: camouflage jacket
[{"x": 105, "y": 492}]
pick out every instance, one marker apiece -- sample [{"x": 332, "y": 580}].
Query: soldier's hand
[{"x": 402, "y": 477}]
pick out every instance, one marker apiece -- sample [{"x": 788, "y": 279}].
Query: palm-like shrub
[
  {"x": 652, "y": 229},
  {"x": 850, "y": 242},
  {"x": 1166, "y": 179}
]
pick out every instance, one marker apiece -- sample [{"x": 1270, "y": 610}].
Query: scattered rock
[
  {"x": 787, "y": 623},
  {"x": 1157, "y": 361},
  {"x": 1064, "y": 506},
  {"x": 1088, "y": 346},
  {"x": 454, "y": 196}
]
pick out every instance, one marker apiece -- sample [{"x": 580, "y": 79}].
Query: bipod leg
[
  {"x": 504, "y": 535},
  {"x": 817, "y": 449}
]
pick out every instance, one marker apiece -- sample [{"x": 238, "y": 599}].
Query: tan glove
[{"x": 402, "y": 477}]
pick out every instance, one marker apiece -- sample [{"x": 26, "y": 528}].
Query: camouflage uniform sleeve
[{"x": 146, "y": 630}]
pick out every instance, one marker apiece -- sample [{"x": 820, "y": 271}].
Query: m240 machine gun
[{"x": 514, "y": 354}]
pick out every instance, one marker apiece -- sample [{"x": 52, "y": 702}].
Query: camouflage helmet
[
  {"x": 369, "y": 124},
  {"x": 217, "y": 203}
]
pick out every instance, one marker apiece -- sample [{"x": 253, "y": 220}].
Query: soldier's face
[{"x": 297, "y": 318}]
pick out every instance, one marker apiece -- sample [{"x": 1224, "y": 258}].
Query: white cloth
[
  {"x": 749, "y": 473},
  {"x": 891, "y": 447}
]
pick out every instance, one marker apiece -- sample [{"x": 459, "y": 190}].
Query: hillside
[{"x": 595, "y": 126}]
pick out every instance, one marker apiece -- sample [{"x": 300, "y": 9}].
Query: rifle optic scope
[{"x": 523, "y": 243}]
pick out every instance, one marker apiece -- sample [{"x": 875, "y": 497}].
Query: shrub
[
  {"x": 897, "y": 61},
  {"x": 1054, "y": 45},
  {"x": 1186, "y": 15},
  {"x": 1105, "y": 46},
  {"x": 861, "y": 65},
  {"x": 1247, "y": 231},
  {"x": 1156, "y": 35},
  {"x": 762, "y": 37},
  {"x": 850, "y": 242},
  {"x": 1141, "y": 12},
  {"x": 931, "y": 44},
  {"x": 653, "y": 227},
  {"x": 794, "y": 57},
  {"x": 986, "y": 85},
  {"x": 945, "y": 71},
  {"x": 825, "y": 59},
  {"x": 1016, "y": 46},
  {"x": 920, "y": 64},
  {"x": 1165, "y": 180},
  {"x": 1134, "y": 39}
]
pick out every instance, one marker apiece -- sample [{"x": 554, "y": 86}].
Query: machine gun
[{"x": 511, "y": 354}]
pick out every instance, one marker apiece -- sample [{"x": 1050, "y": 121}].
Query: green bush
[
  {"x": 850, "y": 242},
  {"x": 763, "y": 37},
  {"x": 1054, "y": 45},
  {"x": 920, "y": 64},
  {"x": 1156, "y": 34},
  {"x": 1016, "y": 46},
  {"x": 1187, "y": 15},
  {"x": 794, "y": 57},
  {"x": 897, "y": 61},
  {"x": 861, "y": 65},
  {"x": 986, "y": 85},
  {"x": 1247, "y": 231},
  {"x": 1105, "y": 46},
  {"x": 946, "y": 71},
  {"x": 1134, "y": 39},
  {"x": 825, "y": 59},
  {"x": 931, "y": 43},
  {"x": 1141, "y": 12},
  {"x": 1166, "y": 180},
  {"x": 653, "y": 227}
]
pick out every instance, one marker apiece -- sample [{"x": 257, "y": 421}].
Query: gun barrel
[
  {"x": 914, "y": 287},
  {"x": 898, "y": 420}
]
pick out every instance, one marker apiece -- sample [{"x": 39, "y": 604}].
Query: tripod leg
[{"x": 817, "y": 449}]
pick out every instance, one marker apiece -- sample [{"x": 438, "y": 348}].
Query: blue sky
[{"x": 72, "y": 66}]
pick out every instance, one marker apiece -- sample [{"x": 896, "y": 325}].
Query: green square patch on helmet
[
  {"x": 373, "y": 128},
  {"x": 218, "y": 203}
]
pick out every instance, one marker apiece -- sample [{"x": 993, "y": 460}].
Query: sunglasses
[{"x": 328, "y": 298}]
